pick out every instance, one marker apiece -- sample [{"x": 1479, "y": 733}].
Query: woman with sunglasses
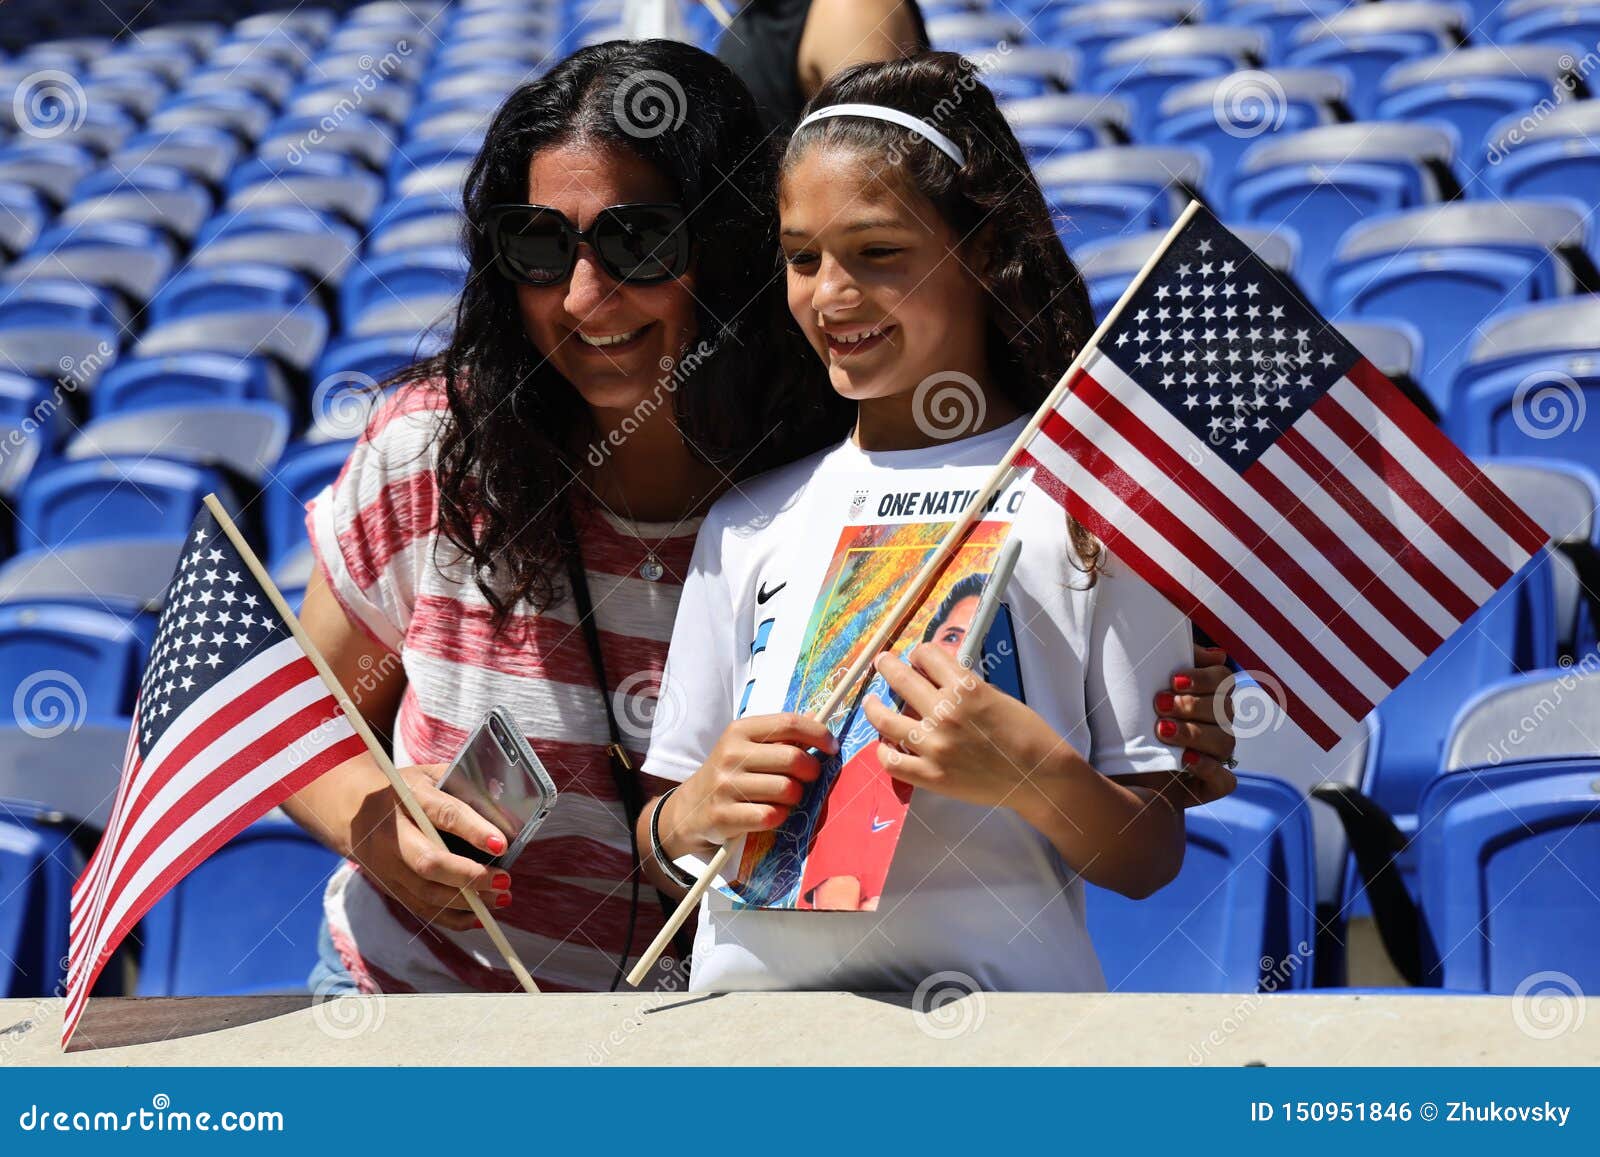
[{"x": 622, "y": 354}]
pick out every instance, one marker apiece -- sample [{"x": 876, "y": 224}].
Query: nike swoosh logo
[
  {"x": 878, "y": 825},
  {"x": 763, "y": 594}
]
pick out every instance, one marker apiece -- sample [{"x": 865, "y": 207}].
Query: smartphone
[{"x": 498, "y": 776}]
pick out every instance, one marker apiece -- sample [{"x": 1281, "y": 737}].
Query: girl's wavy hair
[
  {"x": 1039, "y": 317},
  {"x": 516, "y": 433}
]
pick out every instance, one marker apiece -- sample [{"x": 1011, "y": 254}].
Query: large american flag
[
  {"x": 1232, "y": 448},
  {"x": 232, "y": 719}
]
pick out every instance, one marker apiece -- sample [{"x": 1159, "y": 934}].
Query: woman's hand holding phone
[{"x": 426, "y": 878}]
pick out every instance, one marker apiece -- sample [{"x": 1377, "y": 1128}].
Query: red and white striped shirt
[{"x": 376, "y": 538}]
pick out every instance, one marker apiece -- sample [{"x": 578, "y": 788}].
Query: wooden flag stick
[
  {"x": 917, "y": 590},
  {"x": 401, "y": 787},
  {"x": 716, "y": 9}
]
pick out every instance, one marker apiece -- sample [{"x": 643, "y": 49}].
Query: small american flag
[
  {"x": 1234, "y": 450},
  {"x": 232, "y": 719}
]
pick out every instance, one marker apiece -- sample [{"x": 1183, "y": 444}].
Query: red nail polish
[
  {"x": 501, "y": 881},
  {"x": 1190, "y": 758},
  {"x": 502, "y": 899},
  {"x": 1166, "y": 701},
  {"x": 1181, "y": 682},
  {"x": 497, "y": 844},
  {"x": 1166, "y": 729}
]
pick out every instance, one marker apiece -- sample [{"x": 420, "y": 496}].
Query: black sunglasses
[{"x": 639, "y": 244}]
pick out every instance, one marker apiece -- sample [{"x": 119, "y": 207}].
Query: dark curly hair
[
  {"x": 1041, "y": 315},
  {"x": 515, "y": 431}
]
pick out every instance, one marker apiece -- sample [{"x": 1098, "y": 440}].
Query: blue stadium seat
[
  {"x": 1223, "y": 115},
  {"x": 140, "y": 383},
  {"x": 354, "y": 135},
  {"x": 84, "y": 501},
  {"x": 210, "y": 937},
  {"x": 126, "y": 575},
  {"x": 324, "y": 181},
  {"x": 1277, "y": 18},
  {"x": 1021, "y": 73},
  {"x": 346, "y": 378},
  {"x": 1564, "y": 499},
  {"x": 1513, "y": 633},
  {"x": 436, "y": 166},
  {"x": 1472, "y": 88},
  {"x": 1089, "y": 29},
  {"x": 423, "y": 222},
  {"x": 158, "y": 196},
  {"x": 316, "y": 244},
  {"x": 50, "y": 168},
  {"x": 300, "y": 477},
  {"x": 1060, "y": 123},
  {"x": 50, "y": 329},
  {"x": 293, "y": 335},
  {"x": 1507, "y": 855},
  {"x": 126, "y": 256},
  {"x": 227, "y": 288},
  {"x": 1448, "y": 268},
  {"x": 1366, "y": 40},
  {"x": 494, "y": 78},
  {"x": 1322, "y": 180},
  {"x": 1572, "y": 25},
  {"x": 171, "y": 62},
  {"x": 1108, "y": 266},
  {"x": 62, "y": 762},
  {"x": 1555, "y": 155},
  {"x": 1106, "y": 192},
  {"x": 1241, "y": 915},
  {"x": 1529, "y": 382},
  {"x": 22, "y": 217},
  {"x": 244, "y": 438},
  {"x": 136, "y": 94},
  {"x": 238, "y": 110},
  {"x": 204, "y": 153},
  {"x": 390, "y": 103},
  {"x": 260, "y": 76},
  {"x": 405, "y": 292},
  {"x": 38, "y": 865},
  {"x": 1145, "y": 68},
  {"x": 62, "y": 664}
]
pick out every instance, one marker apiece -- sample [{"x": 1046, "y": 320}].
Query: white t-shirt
[{"x": 972, "y": 889}]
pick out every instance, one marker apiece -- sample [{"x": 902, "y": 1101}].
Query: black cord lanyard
[{"x": 622, "y": 772}]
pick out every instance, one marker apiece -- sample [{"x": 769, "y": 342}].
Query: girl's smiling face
[{"x": 883, "y": 288}]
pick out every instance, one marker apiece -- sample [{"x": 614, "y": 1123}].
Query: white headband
[{"x": 894, "y": 116}]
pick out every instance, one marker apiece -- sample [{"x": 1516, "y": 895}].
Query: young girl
[{"x": 918, "y": 244}]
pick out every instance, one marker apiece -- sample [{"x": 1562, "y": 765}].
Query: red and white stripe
[
  {"x": 243, "y": 747},
  {"x": 1336, "y": 563}
]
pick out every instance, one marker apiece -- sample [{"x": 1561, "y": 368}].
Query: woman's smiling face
[
  {"x": 575, "y": 323},
  {"x": 879, "y": 283}
]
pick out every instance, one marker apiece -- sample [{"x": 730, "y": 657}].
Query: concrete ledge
[{"x": 823, "y": 1028}]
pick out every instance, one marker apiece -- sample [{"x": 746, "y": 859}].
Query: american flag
[
  {"x": 1233, "y": 449},
  {"x": 232, "y": 719}
]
